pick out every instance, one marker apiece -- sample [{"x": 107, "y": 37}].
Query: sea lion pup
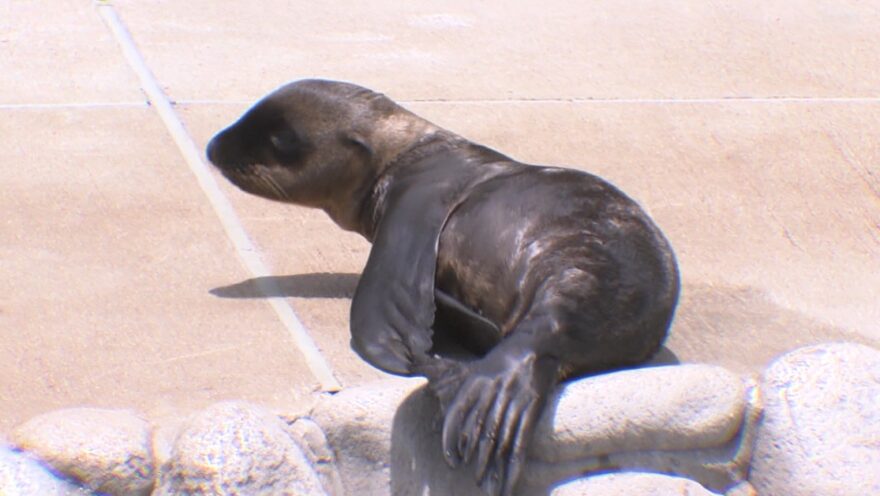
[{"x": 540, "y": 273}]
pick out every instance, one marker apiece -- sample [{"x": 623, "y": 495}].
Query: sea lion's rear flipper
[
  {"x": 464, "y": 315},
  {"x": 393, "y": 305},
  {"x": 494, "y": 413},
  {"x": 461, "y": 333}
]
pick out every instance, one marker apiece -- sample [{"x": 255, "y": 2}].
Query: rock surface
[
  {"x": 22, "y": 475},
  {"x": 821, "y": 428},
  {"x": 632, "y": 484},
  {"x": 718, "y": 468},
  {"x": 690, "y": 424},
  {"x": 744, "y": 488},
  {"x": 670, "y": 408},
  {"x": 312, "y": 440},
  {"x": 106, "y": 450},
  {"x": 358, "y": 423},
  {"x": 819, "y": 433},
  {"x": 237, "y": 448}
]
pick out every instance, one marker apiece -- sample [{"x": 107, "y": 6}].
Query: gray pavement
[{"x": 749, "y": 130}]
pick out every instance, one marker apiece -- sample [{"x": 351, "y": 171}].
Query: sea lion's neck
[
  {"x": 384, "y": 138},
  {"x": 396, "y": 135},
  {"x": 373, "y": 203}
]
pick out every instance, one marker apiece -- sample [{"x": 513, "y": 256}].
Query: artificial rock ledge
[{"x": 697, "y": 424}]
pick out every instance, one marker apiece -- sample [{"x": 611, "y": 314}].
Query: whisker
[
  {"x": 281, "y": 193},
  {"x": 270, "y": 182}
]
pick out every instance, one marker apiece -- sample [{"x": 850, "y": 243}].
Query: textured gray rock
[
  {"x": 821, "y": 429},
  {"x": 682, "y": 407},
  {"x": 744, "y": 488},
  {"x": 312, "y": 440},
  {"x": 164, "y": 434},
  {"x": 417, "y": 466},
  {"x": 721, "y": 463},
  {"x": 22, "y": 475},
  {"x": 106, "y": 450},
  {"x": 237, "y": 448},
  {"x": 632, "y": 484},
  {"x": 696, "y": 421},
  {"x": 358, "y": 423}
]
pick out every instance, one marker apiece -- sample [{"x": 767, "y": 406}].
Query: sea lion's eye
[{"x": 286, "y": 145}]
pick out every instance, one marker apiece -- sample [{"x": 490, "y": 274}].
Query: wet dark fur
[{"x": 537, "y": 273}]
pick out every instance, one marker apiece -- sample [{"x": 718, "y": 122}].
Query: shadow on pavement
[
  {"x": 742, "y": 328},
  {"x": 738, "y": 327},
  {"x": 316, "y": 285}
]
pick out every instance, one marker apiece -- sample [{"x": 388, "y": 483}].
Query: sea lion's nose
[{"x": 211, "y": 151}]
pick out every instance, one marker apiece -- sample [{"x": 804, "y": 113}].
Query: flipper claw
[{"x": 492, "y": 416}]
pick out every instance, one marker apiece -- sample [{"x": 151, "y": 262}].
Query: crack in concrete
[
  {"x": 598, "y": 100},
  {"x": 72, "y": 105},
  {"x": 507, "y": 101},
  {"x": 864, "y": 173},
  {"x": 710, "y": 100},
  {"x": 247, "y": 252}
]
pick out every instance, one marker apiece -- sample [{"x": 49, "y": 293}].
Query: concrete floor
[{"x": 749, "y": 130}]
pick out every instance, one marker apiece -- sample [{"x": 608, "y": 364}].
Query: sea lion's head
[{"x": 316, "y": 143}]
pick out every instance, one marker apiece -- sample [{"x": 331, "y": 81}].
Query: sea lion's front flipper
[{"x": 393, "y": 305}]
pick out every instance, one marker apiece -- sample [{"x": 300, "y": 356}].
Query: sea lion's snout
[
  {"x": 223, "y": 151},
  {"x": 212, "y": 150}
]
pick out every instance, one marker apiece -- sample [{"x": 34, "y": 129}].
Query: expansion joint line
[{"x": 247, "y": 252}]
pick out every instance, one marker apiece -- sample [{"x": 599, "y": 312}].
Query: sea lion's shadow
[
  {"x": 314, "y": 285},
  {"x": 739, "y": 327}
]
